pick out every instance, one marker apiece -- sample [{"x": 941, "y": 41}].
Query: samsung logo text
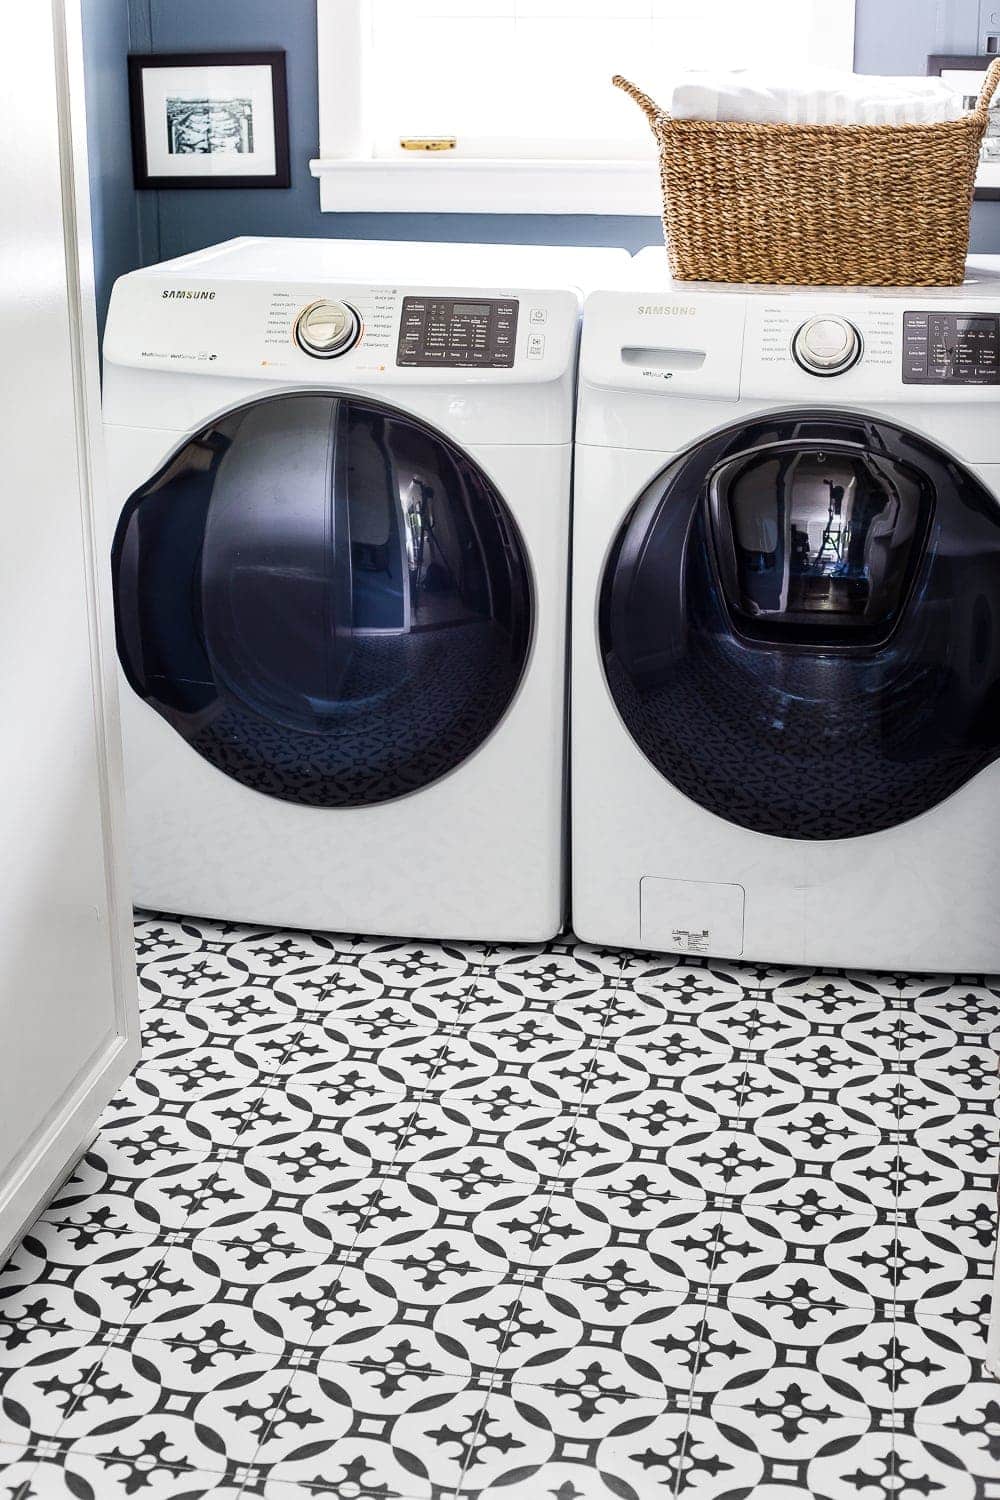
[
  {"x": 669, "y": 310},
  {"x": 191, "y": 296}
]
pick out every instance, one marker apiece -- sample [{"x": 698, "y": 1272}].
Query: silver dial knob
[
  {"x": 827, "y": 345},
  {"x": 325, "y": 329}
]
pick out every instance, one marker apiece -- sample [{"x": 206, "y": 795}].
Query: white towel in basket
[{"x": 818, "y": 96}]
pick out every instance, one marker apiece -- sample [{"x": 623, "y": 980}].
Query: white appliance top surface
[
  {"x": 651, "y": 271},
  {"x": 416, "y": 262}
]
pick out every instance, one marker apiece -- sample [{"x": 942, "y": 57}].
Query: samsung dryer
[
  {"x": 786, "y": 670},
  {"x": 340, "y": 552}
]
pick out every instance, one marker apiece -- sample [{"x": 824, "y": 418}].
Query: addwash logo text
[{"x": 190, "y": 296}]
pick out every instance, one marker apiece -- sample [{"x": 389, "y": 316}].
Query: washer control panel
[
  {"x": 946, "y": 348},
  {"x": 449, "y": 331}
]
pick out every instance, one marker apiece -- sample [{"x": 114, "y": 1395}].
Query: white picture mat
[
  {"x": 967, "y": 83},
  {"x": 241, "y": 81}
]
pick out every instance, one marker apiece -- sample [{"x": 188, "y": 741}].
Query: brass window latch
[{"x": 428, "y": 142}]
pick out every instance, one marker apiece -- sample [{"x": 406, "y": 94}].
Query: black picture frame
[
  {"x": 141, "y": 63},
  {"x": 940, "y": 63}
]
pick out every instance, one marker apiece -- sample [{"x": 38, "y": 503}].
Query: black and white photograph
[
  {"x": 210, "y": 127},
  {"x": 965, "y": 75},
  {"x": 209, "y": 120}
]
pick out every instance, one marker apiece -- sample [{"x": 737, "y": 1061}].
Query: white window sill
[{"x": 472, "y": 185}]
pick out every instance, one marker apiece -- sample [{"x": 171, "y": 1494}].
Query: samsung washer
[{"x": 786, "y": 675}]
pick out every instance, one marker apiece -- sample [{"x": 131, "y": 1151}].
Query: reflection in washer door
[
  {"x": 800, "y": 625},
  {"x": 327, "y": 599}
]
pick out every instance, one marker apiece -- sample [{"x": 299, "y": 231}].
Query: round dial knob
[
  {"x": 827, "y": 345},
  {"x": 326, "y": 329}
]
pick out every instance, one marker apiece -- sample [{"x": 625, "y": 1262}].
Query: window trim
[
  {"x": 484, "y": 186},
  {"x": 353, "y": 180}
]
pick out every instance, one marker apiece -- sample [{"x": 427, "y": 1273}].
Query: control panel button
[
  {"x": 326, "y": 329},
  {"x": 538, "y": 315},
  {"x": 536, "y": 345},
  {"x": 827, "y": 345}
]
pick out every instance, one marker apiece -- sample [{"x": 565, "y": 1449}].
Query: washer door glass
[
  {"x": 800, "y": 625},
  {"x": 327, "y": 599}
]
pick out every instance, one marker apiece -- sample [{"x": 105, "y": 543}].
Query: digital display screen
[
  {"x": 471, "y": 309},
  {"x": 974, "y": 325}
]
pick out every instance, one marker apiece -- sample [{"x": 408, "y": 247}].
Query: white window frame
[{"x": 353, "y": 180}]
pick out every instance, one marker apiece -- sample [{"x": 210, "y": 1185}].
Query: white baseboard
[{"x": 49, "y": 1157}]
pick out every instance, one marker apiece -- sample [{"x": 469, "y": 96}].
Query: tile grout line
[
  {"x": 533, "y": 1249},
  {"x": 684, "y": 1437},
  {"x": 743, "y": 1121},
  {"x": 493, "y": 1373},
  {"x": 685, "y": 1441},
  {"x": 894, "y": 1461}
]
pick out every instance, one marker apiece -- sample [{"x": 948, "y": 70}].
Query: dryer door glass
[
  {"x": 325, "y": 597},
  {"x": 800, "y": 625},
  {"x": 815, "y": 545}
]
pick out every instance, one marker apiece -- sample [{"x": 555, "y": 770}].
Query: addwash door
[
  {"x": 800, "y": 625},
  {"x": 325, "y": 598}
]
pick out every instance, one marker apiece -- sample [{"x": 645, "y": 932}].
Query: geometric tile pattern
[{"x": 380, "y": 1220}]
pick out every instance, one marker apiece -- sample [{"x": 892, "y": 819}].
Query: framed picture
[
  {"x": 209, "y": 119},
  {"x": 965, "y": 74}
]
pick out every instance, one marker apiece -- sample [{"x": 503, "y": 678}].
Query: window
[{"x": 523, "y": 89}]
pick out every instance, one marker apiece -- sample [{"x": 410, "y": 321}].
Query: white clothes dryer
[
  {"x": 340, "y": 553},
  {"x": 786, "y": 670}
]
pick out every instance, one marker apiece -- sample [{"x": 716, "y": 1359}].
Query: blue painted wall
[
  {"x": 118, "y": 243},
  {"x": 187, "y": 225},
  {"x": 893, "y": 36}
]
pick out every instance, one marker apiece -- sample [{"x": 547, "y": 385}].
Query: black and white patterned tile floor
[{"x": 380, "y": 1219}]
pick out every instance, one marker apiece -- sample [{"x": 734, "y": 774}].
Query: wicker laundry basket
[{"x": 818, "y": 205}]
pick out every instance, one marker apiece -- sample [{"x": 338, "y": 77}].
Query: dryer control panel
[
  {"x": 383, "y": 335},
  {"x": 947, "y": 348},
  {"x": 457, "y": 331}
]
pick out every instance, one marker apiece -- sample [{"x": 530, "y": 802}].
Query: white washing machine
[
  {"x": 786, "y": 668},
  {"x": 340, "y": 551}
]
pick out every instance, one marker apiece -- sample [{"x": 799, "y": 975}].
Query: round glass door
[
  {"x": 800, "y": 625},
  {"x": 327, "y": 599}
]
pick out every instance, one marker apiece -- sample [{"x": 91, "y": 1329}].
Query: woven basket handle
[
  {"x": 988, "y": 89},
  {"x": 649, "y": 107}
]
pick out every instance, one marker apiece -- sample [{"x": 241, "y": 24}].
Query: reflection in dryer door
[
  {"x": 276, "y": 563},
  {"x": 816, "y": 544},
  {"x": 326, "y": 598}
]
